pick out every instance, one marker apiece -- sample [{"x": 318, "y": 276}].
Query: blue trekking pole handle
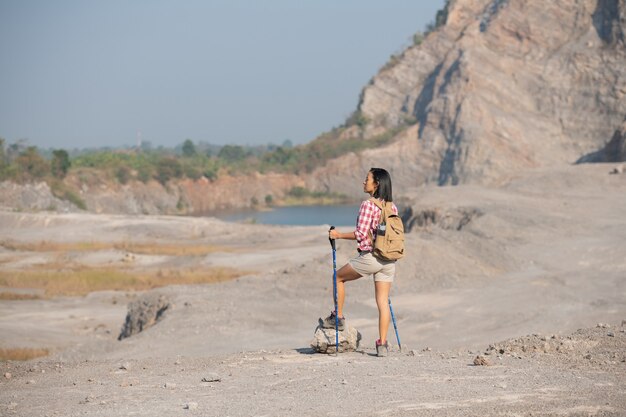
[
  {"x": 332, "y": 244},
  {"x": 395, "y": 327}
]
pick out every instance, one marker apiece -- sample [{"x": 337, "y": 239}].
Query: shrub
[
  {"x": 168, "y": 168},
  {"x": 60, "y": 190},
  {"x": 123, "y": 174}
]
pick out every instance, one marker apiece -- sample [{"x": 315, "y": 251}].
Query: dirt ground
[{"x": 543, "y": 256}]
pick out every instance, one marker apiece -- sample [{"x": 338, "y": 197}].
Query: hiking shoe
[
  {"x": 381, "y": 350},
  {"x": 329, "y": 322}
]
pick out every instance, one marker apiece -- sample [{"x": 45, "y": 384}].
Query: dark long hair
[{"x": 383, "y": 179}]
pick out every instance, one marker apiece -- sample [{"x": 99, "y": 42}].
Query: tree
[
  {"x": 60, "y": 163},
  {"x": 189, "y": 149},
  {"x": 232, "y": 153},
  {"x": 30, "y": 165},
  {"x": 4, "y": 161}
]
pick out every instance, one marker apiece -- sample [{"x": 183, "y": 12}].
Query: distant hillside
[{"x": 501, "y": 86}]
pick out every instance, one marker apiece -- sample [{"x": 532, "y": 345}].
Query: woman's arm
[{"x": 335, "y": 234}]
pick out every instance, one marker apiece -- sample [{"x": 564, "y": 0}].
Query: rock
[
  {"x": 615, "y": 149},
  {"x": 190, "y": 406},
  {"x": 143, "y": 313},
  {"x": 212, "y": 377},
  {"x": 7, "y": 375},
  {"x": 481, "y": 361},
  {"x": 324, "y": 340}
]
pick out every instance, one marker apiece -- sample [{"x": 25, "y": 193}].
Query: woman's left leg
[{"x": 382, "y": 289}]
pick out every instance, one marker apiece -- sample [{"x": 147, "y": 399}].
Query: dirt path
[{"x": 546, "y": 255}]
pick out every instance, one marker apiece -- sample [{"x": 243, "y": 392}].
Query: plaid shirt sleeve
[{"x": 367, "y": 220}]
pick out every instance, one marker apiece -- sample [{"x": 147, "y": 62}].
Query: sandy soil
[{"x": 545, "y": 257}]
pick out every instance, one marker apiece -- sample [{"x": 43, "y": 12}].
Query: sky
[{"x": 90, "y": 73}]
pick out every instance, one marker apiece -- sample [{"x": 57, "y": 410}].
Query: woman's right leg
[{"x": 346, "y": 273}]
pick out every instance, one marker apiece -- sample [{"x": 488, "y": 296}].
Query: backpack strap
[
  {"x": 377, "y": 202},
  {"x": 381, "y": 206}
]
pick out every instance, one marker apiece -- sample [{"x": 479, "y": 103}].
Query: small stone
[
  {"x": 610, "y": 334},
  {"x": 8, "y": 375},
  {"x": 212, "y": 377},
  {"x": 588, "y": 356},
  {"x": 190, "y": 406},
  {"x": 481, "y": 361},
  {"x": 344, "y": 382},
  {"x": 31, "y": 381},
  {"x": 170, "y": 385},
  {"x": 125, "y": 366}
]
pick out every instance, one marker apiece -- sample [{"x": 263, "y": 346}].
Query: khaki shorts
[{"x": 367, "y": 264}]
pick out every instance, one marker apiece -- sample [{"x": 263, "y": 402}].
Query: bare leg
[
  {"x": 382, "y": 296},
  {"x": 346, "y": 273}
]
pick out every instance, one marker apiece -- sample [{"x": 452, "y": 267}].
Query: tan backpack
[{"x": 389, "y": 243}]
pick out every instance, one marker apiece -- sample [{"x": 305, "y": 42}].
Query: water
[{"x": 340, "y": 215}]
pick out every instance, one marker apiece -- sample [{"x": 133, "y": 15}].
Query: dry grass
[
  {"x": 83, "y": 280},
  {"x": 48, "y": 246},
  {"x": 132, "y": 247},
  {"x": 22, "y": 354},
  {"x": 18, "y": 296},
  {"x": 169, "y": 249}
]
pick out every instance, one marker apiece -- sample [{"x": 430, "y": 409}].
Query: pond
[{"x": 337, "y": 215}]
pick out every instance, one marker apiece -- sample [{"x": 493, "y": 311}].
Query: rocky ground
[{"x": 489, "y": 313}]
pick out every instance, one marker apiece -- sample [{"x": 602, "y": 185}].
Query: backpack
[{"x": 389, "y": 243}]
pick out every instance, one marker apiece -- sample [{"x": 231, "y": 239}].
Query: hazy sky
[{"x": 89, "y": 73}]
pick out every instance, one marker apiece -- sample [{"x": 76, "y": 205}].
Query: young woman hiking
[{"x": 378, "y": 185}]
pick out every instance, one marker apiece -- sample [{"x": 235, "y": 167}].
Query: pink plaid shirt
[{"x": 369, "y": 216}]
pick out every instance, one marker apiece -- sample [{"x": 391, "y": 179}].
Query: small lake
[{"x": 340, "y": 215}]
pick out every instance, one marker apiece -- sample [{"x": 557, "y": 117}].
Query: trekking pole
[
  {"x": 395, "y": 327},
  {"x": 332, "y": 245}
]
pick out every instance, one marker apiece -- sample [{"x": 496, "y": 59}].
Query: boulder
[
  {"x": 324, "y": 340},
  {"x": 144, "y": 312}
]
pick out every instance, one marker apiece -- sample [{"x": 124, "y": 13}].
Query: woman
[{"x": 378, "y": 185}]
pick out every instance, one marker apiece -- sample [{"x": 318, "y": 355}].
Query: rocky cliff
[
  {"x": 502, "y": 86},
  {"x": 178, "y": 197}
]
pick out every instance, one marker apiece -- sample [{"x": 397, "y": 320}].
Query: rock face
[
  {"x": 143, "y": 313},
  {"x": 185, "y": 196},
  {"x": 324, "y": 340},
  {"x": 37, "y": 196},
  {"x": 503, "y": 86}
]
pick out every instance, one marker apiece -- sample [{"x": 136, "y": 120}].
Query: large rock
[
  {"x": 615, "y": 150},
  {"x": 143, "y": 313},
  {"x": 324, "y": 340}
]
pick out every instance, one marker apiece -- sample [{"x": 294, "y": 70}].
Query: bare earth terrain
[{"x": 533, "y": 281}]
